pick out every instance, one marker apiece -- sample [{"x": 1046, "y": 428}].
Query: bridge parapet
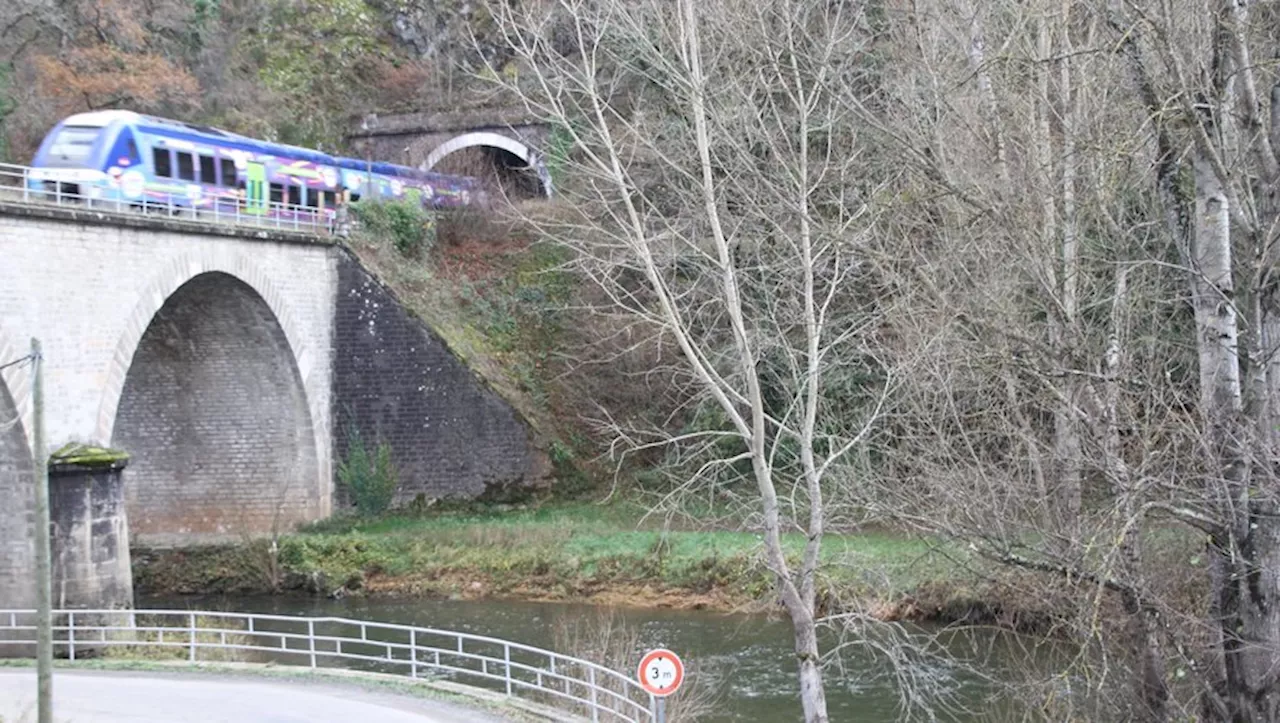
[{"x": 16, "y": 188}]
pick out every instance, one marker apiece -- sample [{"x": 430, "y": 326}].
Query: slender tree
[{"x": 716, "y": 201}]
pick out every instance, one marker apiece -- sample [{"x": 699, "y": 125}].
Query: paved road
[{"x": 159, "y": 697}]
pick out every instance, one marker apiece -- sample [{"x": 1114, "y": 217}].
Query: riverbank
[{"x": 574, "y": 553}]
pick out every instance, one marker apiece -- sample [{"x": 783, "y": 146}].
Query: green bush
[
  {"x": 370, "y": 479},
  {"x": 7, "y": 106},
  {"x": 410, "y": 227}
]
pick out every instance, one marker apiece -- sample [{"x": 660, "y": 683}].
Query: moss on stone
[{"x": 88, "y": 455}]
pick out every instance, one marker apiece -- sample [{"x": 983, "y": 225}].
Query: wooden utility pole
[{"x": 44, "y": 593}]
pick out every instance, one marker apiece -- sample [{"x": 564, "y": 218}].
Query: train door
[{"x": 255, "y": 185}]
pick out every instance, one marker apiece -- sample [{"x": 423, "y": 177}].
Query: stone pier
[{"x": 89, "y": 532}]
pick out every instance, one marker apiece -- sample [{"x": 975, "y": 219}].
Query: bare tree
[
  {"x": 1061, "y": 217},
  {"x": 717, "y": 199},
  {"x": 1200, "y": 67},
  {"x": 1097, "y": 397},
  {"x": 1009, "y": 434}
]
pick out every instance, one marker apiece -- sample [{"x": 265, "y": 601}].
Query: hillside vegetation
[
  {"x": 999, "y": 275},
  {"x": 297, "y": 71}
]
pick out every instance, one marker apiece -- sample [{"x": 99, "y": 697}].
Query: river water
[{"x": 744, "y": 663}]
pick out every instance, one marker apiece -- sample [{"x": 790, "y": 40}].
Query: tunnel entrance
[
  {"x": 499, "y": 169},
  {"x": 214, "y": 414}
]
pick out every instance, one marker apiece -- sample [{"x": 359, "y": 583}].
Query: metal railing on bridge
[
  {"x": 568, "y": 684},
  {"x": 57, "y": 187}
]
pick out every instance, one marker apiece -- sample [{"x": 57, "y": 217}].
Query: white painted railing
[
  {"x": 569, "y": 684},
  {"x": 83, "y": 188}
]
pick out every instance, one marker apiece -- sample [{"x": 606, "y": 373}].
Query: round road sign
[{"x": 661, "y": 672}]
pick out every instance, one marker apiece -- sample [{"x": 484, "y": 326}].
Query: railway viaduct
[{"x": 229, "y": 363}]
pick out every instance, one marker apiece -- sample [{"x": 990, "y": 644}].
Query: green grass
[{"x": 565, "y": 550}]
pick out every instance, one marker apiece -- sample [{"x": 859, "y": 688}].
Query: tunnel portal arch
[{"x": 491, "y": 140}]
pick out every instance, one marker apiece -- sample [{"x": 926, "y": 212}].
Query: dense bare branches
[
  {"x": 1099, "y": 377},
  {"x": 1000, "y": 271},
  {"x": 722, "y": 203}
]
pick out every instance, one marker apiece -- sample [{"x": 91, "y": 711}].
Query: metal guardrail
[
  {"x": 84, "y": 188},
  {"x": 566, "y": 683}
]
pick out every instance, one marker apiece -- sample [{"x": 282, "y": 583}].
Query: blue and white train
[{"x": 120, "y": 156}]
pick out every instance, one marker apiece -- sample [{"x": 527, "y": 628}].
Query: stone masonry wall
[
  {"x": 215, "y": 415},
  {"x": 89, "y": 537},
  {"x": 323, "y": 338},
  {"x": 90, "y": 284},
  {"x": 17, "y": 508},
  {"x": 397, "y": 382}
]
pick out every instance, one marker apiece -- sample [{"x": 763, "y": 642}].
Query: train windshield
[{"x": 72, "y": 145}]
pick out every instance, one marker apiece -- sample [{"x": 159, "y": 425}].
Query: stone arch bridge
[{"x": 230, "y": 363}]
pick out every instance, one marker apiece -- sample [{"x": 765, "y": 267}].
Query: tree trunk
[
  {"x": 1245, "y": 555},
  {"x": 1153, "y": 692},
  {"x": 990, "y": 108},
  {"x": 1247, "y": 570},
  {"x": 1067, "y": 444},
  {"x": 1246, "y": 602},
  {"x": 812, "y": 695}
]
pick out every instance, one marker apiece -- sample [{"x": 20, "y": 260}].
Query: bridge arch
[
  {"x": 489, "y": 139},
  {"x": 17, "y": 381},
  {"x": 17, "y": 537},
  {"x": 211, "y": 343}
]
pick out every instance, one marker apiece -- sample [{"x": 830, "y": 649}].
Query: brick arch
[
  {"x": 17, "y": 380},
  {"x": 163, "y": 285},
  {"x": 491, "y": 140},
  {"x": 17, "y": 532}
]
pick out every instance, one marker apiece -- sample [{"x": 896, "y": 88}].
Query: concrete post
[{"x": 44, "y": 621}]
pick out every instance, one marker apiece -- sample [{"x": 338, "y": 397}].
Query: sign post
[
  {"x": 44, "y": 592},
  {"x": 660, "y": 674}
]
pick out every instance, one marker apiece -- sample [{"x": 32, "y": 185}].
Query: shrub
[
  {"x": 411, "y": 228},
  {"x": 370, "y": 479}
]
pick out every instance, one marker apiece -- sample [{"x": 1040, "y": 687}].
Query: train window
[
  {"x": 186, "y": 166},
  {"x": 208, "y": 171},
  {"x": 228, "y": 171},
  {"x": 313, "y": 198},
  {"x": 330, "y": 199},
  {"x": 277, "y": 193},
  {"x": 355, "y": 197},
  {"x": 295, "y": 195},
  {"x": 164, "y": 166},
  {"x": 74, "y": 143}
]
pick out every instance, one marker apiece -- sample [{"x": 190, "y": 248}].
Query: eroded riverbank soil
[{"x": 244, "y": 570}]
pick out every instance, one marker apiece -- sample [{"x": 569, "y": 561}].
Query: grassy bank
[{"x": 572, "y": 552}]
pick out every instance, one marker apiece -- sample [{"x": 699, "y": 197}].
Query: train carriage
[{"x": 121, "y": 157}]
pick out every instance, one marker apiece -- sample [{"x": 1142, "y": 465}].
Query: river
[{"x": 744, "y": 663}]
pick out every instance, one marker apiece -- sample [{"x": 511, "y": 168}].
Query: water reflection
[{"x": 749, "y": 659}]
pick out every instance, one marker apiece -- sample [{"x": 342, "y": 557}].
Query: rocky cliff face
[{"x": 449, "y": 32}]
